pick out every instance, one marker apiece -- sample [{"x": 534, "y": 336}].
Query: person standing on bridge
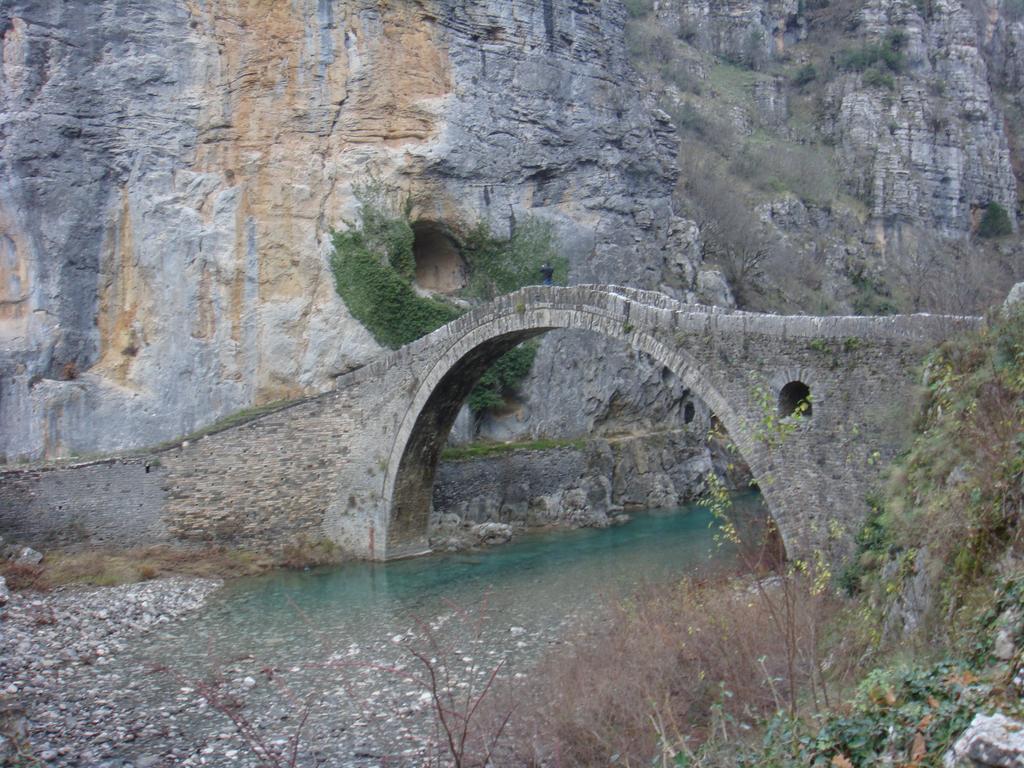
[{"x": 547, "y": 272}]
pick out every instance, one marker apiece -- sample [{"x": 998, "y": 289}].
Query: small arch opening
[
  {"x": 440, "y": 267},
  {"x": 795, "y": 400}
]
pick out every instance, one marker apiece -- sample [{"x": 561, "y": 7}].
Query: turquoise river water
[{"x": 342, "y": 636}]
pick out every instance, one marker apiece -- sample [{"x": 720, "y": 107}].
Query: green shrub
[
  {"x": 879, "y": 78},
  {"x": 872, "y": 296},
  {"x": 885, "y": 55},
  {"x": 503, "y": 378},
  {"x": 996, "y": 222},
  {"x": 501, "y": 265},
  {"x": 377, "y": 290},
  {"x": 907, "y": 713},
  {"x": 805, "y": 75}
]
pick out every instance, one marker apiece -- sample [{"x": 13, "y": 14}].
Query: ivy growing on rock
[
  {"x": 370, "y": 274},
  {"x": 503, "y": 378}
]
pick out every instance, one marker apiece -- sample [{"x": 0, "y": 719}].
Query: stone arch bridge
[{"x": 356, "y": 464}]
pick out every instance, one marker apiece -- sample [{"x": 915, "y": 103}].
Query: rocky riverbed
[
  {"x": 84, "y": 682},
  {"x": 163, "y": 672},
  {"x": 57, "y": 650}
]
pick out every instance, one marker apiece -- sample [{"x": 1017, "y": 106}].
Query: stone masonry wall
[
  {"x": 479, "y": 490},
  {"x": 117, "y": 502}
]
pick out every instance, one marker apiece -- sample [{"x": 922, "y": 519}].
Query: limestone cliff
[
  {"x": 875, "y": 135},
  {"x": 170, "y": 173}
]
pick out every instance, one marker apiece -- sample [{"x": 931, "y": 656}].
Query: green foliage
[
  {"x": 872, "y": 544},
  {"x": 872, "y": 296},
  {"x": 901, "y": 715},
  {"x": 501, "y": 265},
  {"x": 978, "y": 641},
  {"x": 372, "y": 280},
  {"x": 852, "y": 344},
  {"x": 957, "y": 492},
  {"x": 637, "y": 9},
  {"x": 886, "y": 55},
  {"x": 805, "y": 75},
  {"x": 996, "y": 222},
  {"x": 502, "y": 378},
  {"x": 374, "y": 267},
  {"x": 772, "y": 429},
  {"x": 876, "y": 77}
]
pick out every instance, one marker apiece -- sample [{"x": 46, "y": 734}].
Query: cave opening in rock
[
  {"x": 795, "y": 398},
  {"x": 439, "y": 266}
]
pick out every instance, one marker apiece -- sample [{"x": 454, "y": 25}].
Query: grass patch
[
  {"x": 482, "y": 450},
  {"x": 231, "y": 420},
  {"x": 109, "y": 567},
  {"x": 732, "y": 82}
]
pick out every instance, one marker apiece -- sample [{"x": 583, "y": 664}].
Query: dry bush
[
  {"x": 310, "y": 553},
  {"x": 21, "y": 576},
  {"x": 733, "y": 239},
  {"x": 955, "y": 277},
  {"x": 673, "y": 666}
]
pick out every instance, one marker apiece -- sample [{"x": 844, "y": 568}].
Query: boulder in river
[{"x": 492, "y": 533}]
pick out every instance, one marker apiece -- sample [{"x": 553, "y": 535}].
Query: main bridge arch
[
  {"x": 859, "y": 371},
  {"x": 485, "y": 337}
]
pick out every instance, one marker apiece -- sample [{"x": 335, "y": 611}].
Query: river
[{"x": 340, "y": 641}]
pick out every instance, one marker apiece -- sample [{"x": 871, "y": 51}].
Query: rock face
[
  {"x": 582, "y": 487},
  {"x": 170, "y": 173},
  {"x": 876, "y": 133},
  {"x": 741, "y": 30},
  {"x": 991, "y": 740},
  {"x": 931, "y": 150},
  {"x": 929, "y": 146}
]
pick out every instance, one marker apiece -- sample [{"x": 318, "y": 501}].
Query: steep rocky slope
[
  {"x": 170, "y": 173},
  {"x": 169, "y": 176},
  {"x": 871, "y": 138}
]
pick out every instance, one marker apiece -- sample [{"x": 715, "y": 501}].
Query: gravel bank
[{"x": 53, "y": 643}]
